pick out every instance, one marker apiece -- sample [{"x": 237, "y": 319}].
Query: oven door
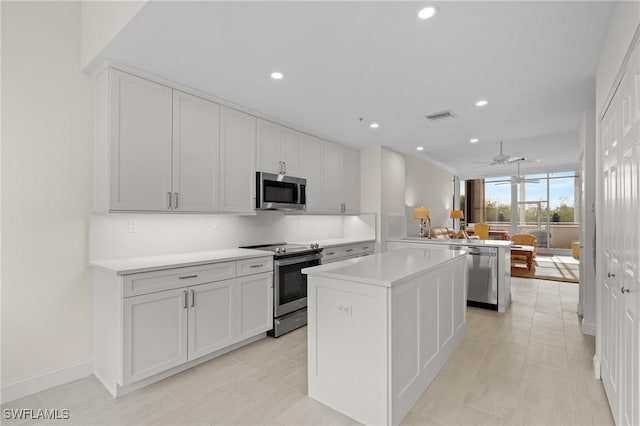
[{"x": 290, "y": 284}]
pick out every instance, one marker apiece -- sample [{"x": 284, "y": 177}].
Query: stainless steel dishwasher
[{"x": 482, "y": 273}]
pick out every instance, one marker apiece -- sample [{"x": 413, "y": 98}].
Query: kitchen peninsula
[
  {"x": 381, "y": 327},
  {"x": 488, "y": 268}
]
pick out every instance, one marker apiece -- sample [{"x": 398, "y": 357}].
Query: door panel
[
  {"x": 312, "y": 164},
  {"x": 155, "y": 333},
  {"x": 211, "y": 311},
  {"x": 269, "y": 148},
  {"x": 140, "y": 158},
  {"x": 292, "y": 152},
  {"x": 196, "y": 145}
]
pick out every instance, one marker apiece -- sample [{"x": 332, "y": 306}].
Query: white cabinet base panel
[{"x": 119, "y": 391}]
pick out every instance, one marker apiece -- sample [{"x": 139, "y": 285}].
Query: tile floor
[{"x": 530, "y": 366}]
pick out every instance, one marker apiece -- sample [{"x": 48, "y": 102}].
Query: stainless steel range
[{"x": 289, "y": 284}]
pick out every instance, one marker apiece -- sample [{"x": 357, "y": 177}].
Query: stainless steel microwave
[{"x": 279, "y": 192}]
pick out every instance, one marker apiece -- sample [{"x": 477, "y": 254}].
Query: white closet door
[
  {"x": 196, "y": 145},
  {"x": 140, "y": 158}
]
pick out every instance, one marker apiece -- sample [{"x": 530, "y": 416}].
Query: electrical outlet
[
  {"x": 133, "y": 226},
  {"x": 344, "y": 310}
]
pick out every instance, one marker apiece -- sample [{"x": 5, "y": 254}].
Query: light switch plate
[{"x": 133, "y": 226}]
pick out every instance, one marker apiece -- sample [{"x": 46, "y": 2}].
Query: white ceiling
[{"x": 534, "y": 61}]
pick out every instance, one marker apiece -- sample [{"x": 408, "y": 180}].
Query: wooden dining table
[{"x": 501, "y": 235}]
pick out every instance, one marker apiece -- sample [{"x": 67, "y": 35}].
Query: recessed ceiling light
[
  {"x": 374, "y": 125},
  {"x": 420, "y": 148},
  {"x": 482, "y": 102},
  {"x": 427, "y": 12},
  {"x": 474, "y": 140},
  {"x": 277, "y": 75}
]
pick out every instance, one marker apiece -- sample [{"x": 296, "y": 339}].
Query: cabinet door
[
  {"x": 196, "y": 144},
  {"x": 351, "y": 179},
  {"x": 211, "y": 316},
  {"x": 291, "y": 152},
  {"x": 332, "y": 190},
  {"x": 237, "y": 161},
  {"x": 269, "y": 147},
  {"x": 155, "y": 333},
  {"x": 140, "y": 157},
  {"x": 255, "y": 304},
  {"x": 312, "y": 165}
]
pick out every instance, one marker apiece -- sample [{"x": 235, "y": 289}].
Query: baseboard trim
[
  {"x": 596, "y": 367},
  {"x": 17, "y": 389},
  {"x": 588, "y": 328}
]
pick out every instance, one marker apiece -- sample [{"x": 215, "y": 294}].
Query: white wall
[
  {"x": 621, "y": 30},
  {"x": 393, "y": 188},
  {"x": 47, "y": 142},
  {"x": 164, "y": 234},
  {"x": 101, "y": 22},
  {"x": 587, "y": 222},
  {"x": 427, "y": 185}
]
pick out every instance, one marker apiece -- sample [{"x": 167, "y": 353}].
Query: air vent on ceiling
[{"x": 443, "y": 115}]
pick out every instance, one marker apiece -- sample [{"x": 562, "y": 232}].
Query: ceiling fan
[
  {"x": 503, "y": 158},
  {"x": 517, "y": 179}
]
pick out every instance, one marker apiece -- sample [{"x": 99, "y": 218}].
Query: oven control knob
[
  {"x": 284, "y": 249},
  {"x": 278, "y": 250}
]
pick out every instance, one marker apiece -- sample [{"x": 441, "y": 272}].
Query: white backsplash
[{"x": 164, "y": 234}]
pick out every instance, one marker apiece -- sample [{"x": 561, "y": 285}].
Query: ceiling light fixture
[
  {"x": 482, "y": 102},
  {"x": 277, "y": 75},
  {"x": 474, "y": 140},
  {"x": 420, "y": 148},
  {"x": 427, "y": 12},
  {"x": 374, "y": 125}
]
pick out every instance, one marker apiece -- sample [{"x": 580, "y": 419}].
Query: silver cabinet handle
[
  {"x": 331, "y": 253},
  {"x": 625, "y": 290},
  {"x": 284, "y": 163},
  {"x": 185, "y": 277},
  {"x": 349, "y": 250},
  {"x": 193, "y": 298},
  {"x": 365, "y": 248},
  {"x": 281, "y": 172},
  {"x": 176, "y": 201},
  {"x": 610, "y": 275},
  {"x": 169, "y": 195},
  {"x": 257, "y": 266},
  {"x": 185, "y": 299}
]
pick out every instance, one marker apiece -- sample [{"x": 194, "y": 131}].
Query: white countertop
[
  {"x": 135, "y": 265},
  {"x": 334, "y": 242},
  {"x": 389, "y": 268},
  {"x": 453, "y": 241}
]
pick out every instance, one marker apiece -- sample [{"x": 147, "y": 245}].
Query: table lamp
[
  {"x": 422, "y": 213},
  {"x": 456, "y": 214}
]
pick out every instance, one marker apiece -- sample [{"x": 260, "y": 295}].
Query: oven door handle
[{"x": 298, "y": 259}]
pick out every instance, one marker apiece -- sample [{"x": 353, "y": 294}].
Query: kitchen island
[
  {"x": 381, "y": 327},
  {"x": 488, "y": 268}
]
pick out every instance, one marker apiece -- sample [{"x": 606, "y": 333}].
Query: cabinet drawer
[
  {"x": 150, "y": 282},
  {"x": 255, "y": 266},
  {"x": 330, "y": 254}
]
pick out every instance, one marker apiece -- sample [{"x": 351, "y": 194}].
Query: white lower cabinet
[
  {"x": 139, "y": 339},
  {"x": 155, "y": 334},
  {"x": 254, "y": 316},
  {"x": 211, "y": 310}
]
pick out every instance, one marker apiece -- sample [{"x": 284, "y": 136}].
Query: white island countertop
[
  {"x": 134, "y": 265},
  {"x": 389, "y": 268},
  {"x": 453, "y": 241}
]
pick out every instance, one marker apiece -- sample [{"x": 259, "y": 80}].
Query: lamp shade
[
  {"x": 456, "y": 214},
  {"x": 421, "y": 213}
]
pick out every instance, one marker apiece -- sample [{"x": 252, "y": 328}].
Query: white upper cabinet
[
  {"x": 279, "y": 149},
  {"x": 332, "y": 194},
  {"x": 139, "y": 173},
  {"x": 196, "y": 145},
  {"x": 312, "y": 164},
  {"x": 292, "y": 152},
  {"x": 351, "y": 179},
  {"x": 237, "y": 161}
]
